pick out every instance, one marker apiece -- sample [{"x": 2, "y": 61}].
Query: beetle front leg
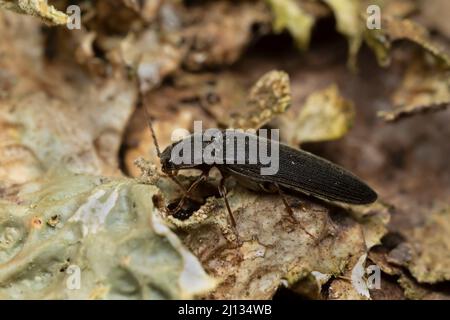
[
  {"x": 201, "y": 178},
  {"x": 178, "y": 183}
]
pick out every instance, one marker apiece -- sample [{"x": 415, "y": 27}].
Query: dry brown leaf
[
  {"x": 45, "y": 120},
  {"x": 432, "y": 17},
  {"x": 325, "y": 116},
  {"x": 396, "y": 8},
  {"x": 270, "y": 96},
  {"x": 379, "y": 255},
  {"x": 415, "y": 291},
  {"x": 424, "y": 89},
  {"x": 348, "y": 22},
  {"x": 391, "y": 262},
  {"x": 424, "y": 254},
  {"x": 147, "y": 9},
  {"x": 151, "y": 58},
  {"x": 430, "y": 249},
  {"x": 220, "y": 36},
  {"x": 117, "y": 36},
  {"x": 38, "y": 8},
  {"x": 394, "y": 29},
  {"x": 289, "y": 15},
  {"x": 311, "y": 285}
]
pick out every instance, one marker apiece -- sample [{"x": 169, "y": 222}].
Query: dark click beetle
[{"x": 298, "y": 170}]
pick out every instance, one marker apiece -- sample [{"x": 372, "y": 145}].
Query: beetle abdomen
[{"x": 302, "y": 171}]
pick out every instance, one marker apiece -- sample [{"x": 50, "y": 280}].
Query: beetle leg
[
  {"x": 289, "y": 210},
  {"x": 223, "y": 193},
  {"x": 173, "y": 176},
  {"x": 178, "y": 183},
  {"x": 202, "y": 177}
]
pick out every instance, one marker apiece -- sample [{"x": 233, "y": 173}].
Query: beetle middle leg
[{"x": 223, "y": 194}]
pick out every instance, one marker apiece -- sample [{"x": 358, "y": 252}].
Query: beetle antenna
[{"x": 150, "y": 123}]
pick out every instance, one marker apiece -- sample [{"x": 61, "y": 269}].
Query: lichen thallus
[{"x": 298, "y": 171}]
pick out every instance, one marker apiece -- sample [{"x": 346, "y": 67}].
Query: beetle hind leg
[{"x": 290, "y": 212}]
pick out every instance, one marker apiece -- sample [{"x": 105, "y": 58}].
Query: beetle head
[{"x": 167, "y": 166}]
